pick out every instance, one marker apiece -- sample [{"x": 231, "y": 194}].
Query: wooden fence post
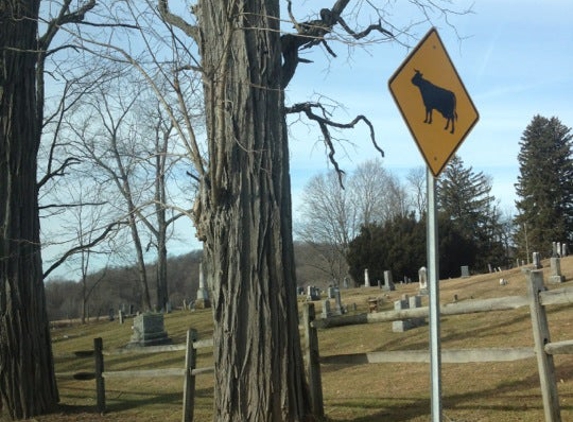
[
  {"x": 99, "y": 369},
  {"x": 541, "y": 336},
  {"x": 313, "y": 359},
  {"x": 189, "y": 380}
]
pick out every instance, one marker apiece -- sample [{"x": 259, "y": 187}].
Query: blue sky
[{"x": 514, "y": 57}]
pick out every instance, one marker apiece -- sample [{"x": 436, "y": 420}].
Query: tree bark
[
  {"x": 27, "y": 381},
  {"x": 245, "y": 216}
]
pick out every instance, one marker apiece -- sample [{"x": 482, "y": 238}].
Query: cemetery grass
[{"x": 359, "y": 393}]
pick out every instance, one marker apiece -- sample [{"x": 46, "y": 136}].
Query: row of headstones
[
  {"x": 555, "y": 262},
  {"x": 339, "y": 309},
  {"x": 123, "y": 312},
  {"x": 387, "y": 285},
  {"x": 559, "y": 249},
  {"x": 407, "y": 303}
]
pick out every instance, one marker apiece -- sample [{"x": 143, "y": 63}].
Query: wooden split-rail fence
[
  {"x": 543, "y": 349},
  {"x": 188, "y": 372}
]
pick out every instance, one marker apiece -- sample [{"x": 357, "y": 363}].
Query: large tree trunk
[
  {"x": 27, "y": 382},
  {"x": 245, "y": 216}
]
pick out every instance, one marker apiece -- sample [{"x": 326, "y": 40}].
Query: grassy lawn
[{"x": 360, "y": 393}]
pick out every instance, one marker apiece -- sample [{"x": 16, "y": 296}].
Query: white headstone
[
  {"x": 366, "y": 278},
  {"x": 423, "y": 280},
  {"x": 202, "y": 292}
]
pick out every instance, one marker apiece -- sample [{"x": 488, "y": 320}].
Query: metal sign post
[
  {"x": 434, "y": 297},
  {"x": 430, "y": 94}
]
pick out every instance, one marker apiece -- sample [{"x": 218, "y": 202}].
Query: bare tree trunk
[
  {"x": 161, "y": 143},
  {"x": 141, "y": 270},
  {"x": 27, "y": 382},
  {"x": 245, "y": 216}
]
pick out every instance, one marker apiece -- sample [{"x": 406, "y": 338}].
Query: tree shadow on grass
[
  {"x": 142, "y": 399},
  {"x": 500, "y": 398}
]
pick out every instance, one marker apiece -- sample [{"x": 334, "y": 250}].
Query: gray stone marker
[
  {"x": 338, "y": 301},
  {"x": 148, "y": 330},
  {"x": 407, "y": 324},
  {"x": 326, "y": 309},
  {"x": 313, "y": 293},
  {"x": 466, "y": 271},
  {"x": 536, "y": 258},
  {"x": 202, "y": 301},
  {"x": 556, "y": 276},
  {"x": 388, "y": 283}
]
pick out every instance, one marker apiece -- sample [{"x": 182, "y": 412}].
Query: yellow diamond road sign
[{"x": 433, "y": 101}]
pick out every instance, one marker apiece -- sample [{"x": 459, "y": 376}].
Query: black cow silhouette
[{"x": 436, "y": 98}]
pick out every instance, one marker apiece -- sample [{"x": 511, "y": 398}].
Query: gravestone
[
  {"x": 556, "y": 276},
  {"x": 388, "y": 283},
  {"x": 466, "y": 271},
  {"x": 338, "y": 301},
  {"x": 407, "y": 324},
  {"x": 148, "y": 330},
  {"x": 366, "y": 278},
  {"x": 423, "y": 281},
  {"x": 313, "y": 293},
  {"x": 345, "y": 283},
  {"x": 202, "y": 301},
  {"x": 536, "y": 257},
  {"x": 331, "y": 292},
  {"x": 564, "y": 251},
  {"x": 326, "y": 309}
]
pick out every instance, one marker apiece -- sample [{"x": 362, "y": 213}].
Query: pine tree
[
  {"x": 544, "y": 186},
  {"x": 464, "y": 197}
]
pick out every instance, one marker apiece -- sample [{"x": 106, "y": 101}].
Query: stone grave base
[{"x": 148, "y": 330}]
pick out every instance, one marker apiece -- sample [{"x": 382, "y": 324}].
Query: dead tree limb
[
  {"x": 325, "y": 123},
  {"x": 313, "y": 32}
]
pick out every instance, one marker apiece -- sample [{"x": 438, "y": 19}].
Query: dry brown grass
[{"x": 357, "y": 393}]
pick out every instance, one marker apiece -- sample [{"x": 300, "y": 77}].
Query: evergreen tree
[
  {"x": 544, "y": 186},
  {"x": 464, "y": 197},
  {"x": 398, "y": 245}
]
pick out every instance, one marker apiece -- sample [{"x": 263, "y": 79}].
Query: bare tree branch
[
  {"x": 313, "y": 32},
  {"x": 80, "y": 248},
  {"x": 325, "y": 124},
  {"x": 65, "y": 16},
  {"x": 177, "y": 21},
  {"x": 60, "y": 171}
]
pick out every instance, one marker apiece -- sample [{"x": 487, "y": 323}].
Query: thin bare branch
[
  {"x": 177, "y": 21},
  {"x": 313, "y": 32},
  {"x": 325, "y": 123},
  {"x": 80, "y": 248}
]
